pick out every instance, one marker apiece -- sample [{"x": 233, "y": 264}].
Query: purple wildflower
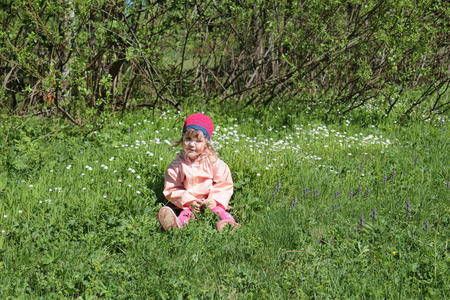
[
  {"x": 291, "y": 206},
  {"x": 361, "y": 220},
  {"x": 129, "y": 130},
  {"x": 316, "y": 193},
  {"x": 338, "y": 194},
  {"x": 374, "y": 214},
  {"x": 385, "y": 178},
  {"x": 393, "y": 174},
  {"x": 276, "y": 189},
  {"x": 367, "y": 192},
  {"x": 306, "y": 191},
  {"x": 351, "y": 194},
  {"x": 441, "y": 121},
  {"x": 335, "y": 207},
  {"x": 427, "y": 225},
  {"x": 408, "y": 206}
]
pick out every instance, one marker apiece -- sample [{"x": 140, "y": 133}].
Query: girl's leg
[
  {"x": 185, "y": 216},
  {"x": 225, "y": 218},
  {"x": 222, "y": 213}
]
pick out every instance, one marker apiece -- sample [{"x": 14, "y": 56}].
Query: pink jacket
[{"x": 187, "y": 181}]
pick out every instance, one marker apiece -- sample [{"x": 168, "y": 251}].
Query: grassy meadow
[{"x": 350, "y": 208}]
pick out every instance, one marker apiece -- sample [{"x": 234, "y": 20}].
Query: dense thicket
[{"x": 79, "y": 56}]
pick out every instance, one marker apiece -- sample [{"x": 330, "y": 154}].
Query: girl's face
[{"x": 194, "y": 144}]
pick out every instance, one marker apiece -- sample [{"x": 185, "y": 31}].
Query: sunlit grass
[{"x": 327, "y": 210}]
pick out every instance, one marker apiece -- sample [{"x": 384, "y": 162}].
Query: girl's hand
[
  {"x": 210, "y": 203},
  {"x": 196, "y": 205}
]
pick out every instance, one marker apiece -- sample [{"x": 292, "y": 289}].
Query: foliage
[
  {"x": 82, "y": 58},
  {"x": 331, "y": 210}
]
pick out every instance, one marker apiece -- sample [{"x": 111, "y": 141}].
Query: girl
[{"x": 197, "y": 178}]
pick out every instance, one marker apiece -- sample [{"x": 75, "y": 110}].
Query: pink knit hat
[{"x": 199, "y": 122}]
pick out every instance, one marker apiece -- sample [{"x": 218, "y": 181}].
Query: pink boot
[
  {"x": 168, "y": 218},
  {"x": 185, "y": 216},
  {"x": 225, "y": 218}
]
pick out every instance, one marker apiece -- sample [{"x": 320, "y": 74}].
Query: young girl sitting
[{"x": 197, "y": 178}]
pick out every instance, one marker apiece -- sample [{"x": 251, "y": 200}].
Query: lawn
[{"x": 347, "y": 208}]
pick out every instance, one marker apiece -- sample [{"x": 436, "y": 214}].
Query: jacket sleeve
[
  {"x": 222, "y": 188},
  {"x": 174, "y": 190}
]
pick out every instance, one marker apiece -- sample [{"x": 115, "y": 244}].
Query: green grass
[{"x": 78, "y": 217}]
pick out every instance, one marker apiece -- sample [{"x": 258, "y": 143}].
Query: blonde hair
[{"x": 193, "y": 133}]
